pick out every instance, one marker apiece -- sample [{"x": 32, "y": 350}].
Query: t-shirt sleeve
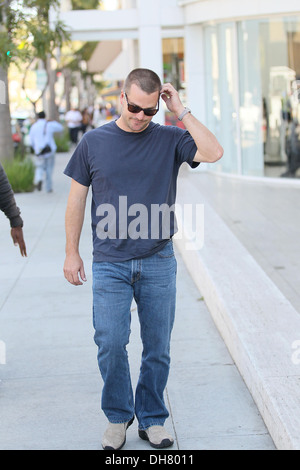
[
  {"x": 186, "y": 149},
  {"x": 78, "y": 167}
]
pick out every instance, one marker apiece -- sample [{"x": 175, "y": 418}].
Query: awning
[
  {"x": 113, "y": 92},
  {"x": 119, "y": 68},
  {"x": 104, "y": 54}
]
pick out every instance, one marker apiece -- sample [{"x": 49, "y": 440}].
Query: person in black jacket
[{"x": 9, "y": 207}]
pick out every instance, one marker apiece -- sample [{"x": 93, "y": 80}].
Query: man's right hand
[
  {"x": 74, "y": 270},
  {"x": 18, "y": 239}
]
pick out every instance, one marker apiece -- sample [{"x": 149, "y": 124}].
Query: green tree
[
  {"x": 46, "y": 40},
  {"x": 85, "y": 4},
  {"x": 25, "y": 34},
  {"x": 8, "y": 51}
]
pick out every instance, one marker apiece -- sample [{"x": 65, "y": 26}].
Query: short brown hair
[{"x": 145, "y": 79}]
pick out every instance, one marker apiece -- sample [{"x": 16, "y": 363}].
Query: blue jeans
[
  {"x": 151, "y": 282},
  {"x": 44, "y": 165}
]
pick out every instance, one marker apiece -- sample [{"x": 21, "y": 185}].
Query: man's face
[{"x": 137, "y": 122}]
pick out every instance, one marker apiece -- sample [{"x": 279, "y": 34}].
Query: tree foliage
[
  {"x": 12, "y": 38},
  {"x": 25, "y": 30},
  {"x": 25, "y": 34},
  {"x": 85, "y": 4}
]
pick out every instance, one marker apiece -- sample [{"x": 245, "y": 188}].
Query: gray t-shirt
[{"x": 133, "y": 178}]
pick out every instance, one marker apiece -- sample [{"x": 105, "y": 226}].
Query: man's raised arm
[{"x": 208, "y": 148}]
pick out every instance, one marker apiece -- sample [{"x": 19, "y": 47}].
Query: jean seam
[
  {"x": 141, "y": 411},
  {"x": 120, "y": 421},
  {"x": 154, "y": 423}
]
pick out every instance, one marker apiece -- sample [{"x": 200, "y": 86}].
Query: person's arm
[
  {"x": 56, "y": 126},
  {"x": 31, "y": 137},
  {"x": 18, "y": 239},
  {"x": 208, "y": 148},
  {"x": 9, "y": 207},
  {"x": 73, "y": 266}
]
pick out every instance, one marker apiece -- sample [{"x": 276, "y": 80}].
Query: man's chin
[{"x": 138, "y": 126}]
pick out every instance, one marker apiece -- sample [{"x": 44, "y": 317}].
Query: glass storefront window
[
  {"x": 251, "y": 99},
  {"x": 280, "y": 74},
  {"x": 270, "y": 73},
  {"x": 253, "y": 94},
  {"x": 221, "y": 86}
]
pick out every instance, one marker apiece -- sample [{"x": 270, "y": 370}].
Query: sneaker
[
  {"x": 115, "y": 435},
  {"x": 157, "y": 437}
]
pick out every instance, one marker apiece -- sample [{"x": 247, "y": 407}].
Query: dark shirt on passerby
[{"x": 7, "y": 201}]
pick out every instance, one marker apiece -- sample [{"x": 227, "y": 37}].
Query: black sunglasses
[{"x": 132, "y": 108}]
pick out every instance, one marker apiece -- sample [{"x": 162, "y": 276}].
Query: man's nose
[{"x": 141, "y": 114}]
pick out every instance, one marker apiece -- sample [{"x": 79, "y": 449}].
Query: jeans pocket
[{"x": 167, "y": 251}]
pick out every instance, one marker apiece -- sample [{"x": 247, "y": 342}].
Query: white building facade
[{"x": 235, "y": 63}]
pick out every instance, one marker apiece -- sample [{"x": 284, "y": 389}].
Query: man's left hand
[{"x": 171, "y": 98}]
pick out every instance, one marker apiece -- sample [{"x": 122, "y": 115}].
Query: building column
[{"x": 150, "y": 42}]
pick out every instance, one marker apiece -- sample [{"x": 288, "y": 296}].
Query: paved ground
[
  {"x": 248, "y": 271},
  {"x": 50, "y": 384},
  {"x": 264, "y": 216}
]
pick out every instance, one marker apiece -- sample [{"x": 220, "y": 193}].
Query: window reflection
[
  {"x": 173, "y": 62},
  {"x": 261, "y": 101},
  {"x": 280, "y": 72},
  {"x": 221, "y": 86}
]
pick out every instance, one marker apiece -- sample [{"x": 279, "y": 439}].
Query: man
[
  {"x": 132, "y": 165},
  {"x": 9, "y": 207},
  {"x": 74, "y": 122},
  {"x": 41, "y": 136}
]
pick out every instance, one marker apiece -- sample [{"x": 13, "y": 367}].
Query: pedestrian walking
[
  {"x": 42, "y": 141},
  {"x": 132, "y": 165},
  {"x": 86, "y": 120},
  {"x": 74, "y": 123},
  {"x": 9, "y": 207}
]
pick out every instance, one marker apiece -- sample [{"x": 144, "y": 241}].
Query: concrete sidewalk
[
  {"x": 50, "y": 385},
  {"x": 248, "y": 273}
]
